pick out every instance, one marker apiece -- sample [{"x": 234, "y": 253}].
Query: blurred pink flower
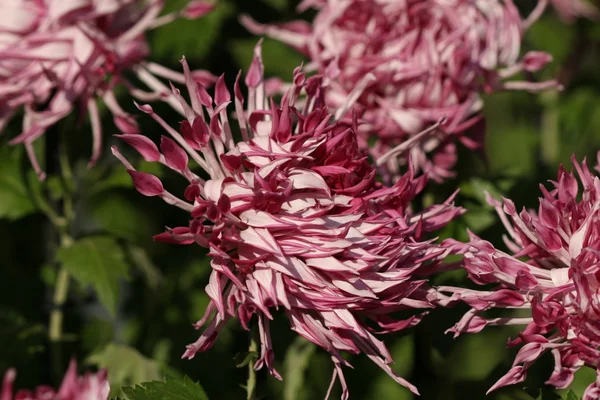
[
  {"x": 294, "y": 219},
  {"x": 55, "y": 54},
  {"x": 570, "y": 10},
  {"x": 73, "y": 387},
  {"x": 419, "y": 61},
  {"x": 553, "y": 274}
]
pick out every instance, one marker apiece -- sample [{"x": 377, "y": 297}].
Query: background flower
[
  {"x": 429, "y": 60},
  {"x": 73, "y": 387},
  {"x": 55, "y": 54},
  {"x": 552, "y": 273}
]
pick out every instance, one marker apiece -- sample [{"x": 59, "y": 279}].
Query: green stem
[
  {"x": 550, "y": 131},
  {"x": 61, "y": 289},
  {"x": 251, "y": 384},
  {"x": 60, "y": 296}
]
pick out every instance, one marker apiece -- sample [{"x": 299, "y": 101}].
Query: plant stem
[
  {"x": 251, "y": 384},
  {"x": 550, "y": 130},
  {"x": 60, "y": 296},
  {"x": 61, "y": 290}
]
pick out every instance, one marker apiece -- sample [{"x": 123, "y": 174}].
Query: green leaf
[
  {"x": 171, "y": 389},
  {"x": 117, "y": 178},
  {"x": 572, "y": 396},
  {"x": 139, "y": 257},
  {"x": 99, "y": 262},
  {"x": 187, "y": 31},
  {"x": 55, "y": 188},
  {"x": 114, "y": 213},
  {"x": 15, "y": 201},
  {"x": 279, "y": 59},
  {"x": 296, "y": 362},
  {"x": 551, "y": 35},
  {"x": 476, "y": 188},
  {"x": 97, "y": 334},
  {"x": 243, "y": 359},
  {"x": 477, "y": 355},
  {"x": 126, "y": 366}
]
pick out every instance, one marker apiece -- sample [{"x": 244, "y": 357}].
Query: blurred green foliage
[{"x": 137, "y": 318}]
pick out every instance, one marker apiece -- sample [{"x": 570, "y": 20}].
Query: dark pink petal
[
  {"x": 534, "y": 61},
  {"x": 142, "y": 145},
  {"x": 202, "y": 95},
  {"x": 146, "y": 184},
  {"x": 256, "y": 70},
  {"x": 197, "y": 9},
  {"x": 221, "y": 92},
  {"x": 525, "y": 280},
  {"x": 231, "y": 162},
  {"x": 515, "y": 375},
  {"x": 175, "y": 156},
  {"x": 127, "y": 125}
]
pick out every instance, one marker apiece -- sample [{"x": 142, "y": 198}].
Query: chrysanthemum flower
[
  {"x": 551, "y": 274},
  {"x": 419, "y": 61},
  {"x": 73, "y": 387},
  {"x": 294, "y": 219},
  {"x": 55, "y": 54}
]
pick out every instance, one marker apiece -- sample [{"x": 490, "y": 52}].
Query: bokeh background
[{"x": 132, "y": 308}]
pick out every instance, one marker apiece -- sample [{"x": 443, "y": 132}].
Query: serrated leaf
[
  {"x": 171, "y": 389},
  {"x": 296, "y": 361},
  {"x": 243, "y": 359},
  {"x": 125, "y": 366},
  {"x": 15, "y": 201},
  {"x": 98, "y": 262}
]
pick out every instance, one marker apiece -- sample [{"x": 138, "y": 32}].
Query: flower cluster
[
  {"x": 553, "y": 273},
  {"x": 294, "y": 219},
  {"x": 73, "y": 387},
  {"x": 418, "y": 62},
  {"x": 55, "y": 54}
]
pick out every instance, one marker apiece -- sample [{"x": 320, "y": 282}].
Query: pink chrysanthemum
[
  {"x": 553, "y": 273},
  {"x": 419, "y": 61},
  {"x": 294, "y": 219},
  {"x": 73, "y": 387},
  {"x": 56, "y": 53}
]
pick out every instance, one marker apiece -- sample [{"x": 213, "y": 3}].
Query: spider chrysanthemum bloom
[
  {"x": 551, "y": 273},
  {"x": 56, "y": 54},
  {"x": 294, "y": 220},
  {"x": 419, "y": 61},
  {"x": 73, "y": 387}
]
